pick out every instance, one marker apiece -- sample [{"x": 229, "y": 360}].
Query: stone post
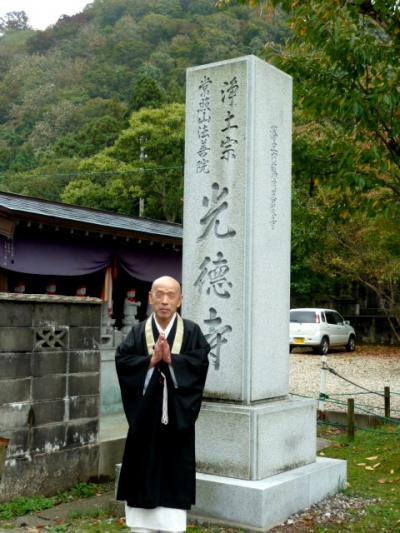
[{"x": 236, "y": 270}]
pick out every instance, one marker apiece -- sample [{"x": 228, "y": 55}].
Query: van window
[
  {"x": 308, "y": 317},
  {"x": 331, "y": 317}
]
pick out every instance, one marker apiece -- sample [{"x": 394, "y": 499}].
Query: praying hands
[{"x": 161, "y": 352}]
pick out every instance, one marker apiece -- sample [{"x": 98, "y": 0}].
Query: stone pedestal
[
  {"x": 236, "y": 274},
  {"x": 260, "y": 505},
  {"x": 255, "y": 441}
]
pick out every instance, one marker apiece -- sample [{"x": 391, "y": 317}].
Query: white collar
[{"x": 167, "y": 330}]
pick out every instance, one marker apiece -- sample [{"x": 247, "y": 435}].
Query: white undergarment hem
[{"x": 158, "y": 519}]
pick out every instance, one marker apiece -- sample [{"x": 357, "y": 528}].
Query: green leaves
[{"x": 145, "y": 162}]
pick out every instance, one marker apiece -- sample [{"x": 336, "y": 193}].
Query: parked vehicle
[{"x": 320, "y": 329}]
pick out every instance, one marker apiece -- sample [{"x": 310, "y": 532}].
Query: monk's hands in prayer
[
  {"x": 161, "y": 351},
  {"x": 158, "y": 352},
  {"x": 166, "y": 354}
]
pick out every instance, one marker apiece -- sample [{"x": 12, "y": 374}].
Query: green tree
[
  {"x": 47, "y": 181},
  {"x": 146, "y": 161},
  {"x": 14, "y": 21},
  {"x": 346, "y": 150},
  {"x": 342, "y": 56},
  {"x": 146, "y": 92}
]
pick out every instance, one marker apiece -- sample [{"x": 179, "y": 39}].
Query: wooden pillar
[{"x": 3, "y": 280}]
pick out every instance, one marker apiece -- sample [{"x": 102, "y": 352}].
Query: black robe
[{"x": 158, "y": 467}]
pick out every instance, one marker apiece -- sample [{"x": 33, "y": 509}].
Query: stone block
[
  {"x": 47, "y": 473},
  {"x": 84, "y": 407},
  {"x": 48, "y": 388},
  {"x": 111, "y": 453},
  {"x": 110, "y": 391},
  {"x": 82, "y": 338},
  {"x": 261, "y": 505},
  {"x": 84, "y": 384},
  {"x": 51, "y": 338},
  {"x": 253, "y": 442},
  {"x": 84, "y": 361},
  {"x": 15, "y": 365},
  {"x": 48, "y": 439},
  {"x": 19, "y": 441},
  {"x": 48, "y": 412},
  {"x": 14, "y": 415},
  {"x": 85, "y": 315},
  {"x": 16, "y": 314},
  {"x": 15, "y": 390},
  {"x": 82, "y": 432},
  {"x": 51, "y": 314},
  {"x": 51, "y": 362},
  {"x": 16, "y": 339}
]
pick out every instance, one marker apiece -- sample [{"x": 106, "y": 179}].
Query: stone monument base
[
  {"x": 260, "y": 505},
  {"x": 255, "y": 441}
]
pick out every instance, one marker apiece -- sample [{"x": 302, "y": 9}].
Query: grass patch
[
  {"x": 373, "y": 467},
  {"x": 101, "y": 524},
  {"x": 24, "y": 505},
  {"x": 33, "y": 504}
]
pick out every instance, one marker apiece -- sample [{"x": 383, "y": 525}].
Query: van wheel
[
  {"x": 351, "y": 345},
  {"x": 324, "y": 346}
]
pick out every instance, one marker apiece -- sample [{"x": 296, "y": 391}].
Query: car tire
[
  {"x": 291, "y": 348},
  {"x": 351, "y": 345},
  {"x": 323, "y": 348}
]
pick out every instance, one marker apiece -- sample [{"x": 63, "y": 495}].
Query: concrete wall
[{"x": 49, "y": 392}]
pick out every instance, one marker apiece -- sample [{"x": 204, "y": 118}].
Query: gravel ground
[
  {"x": 338, "y": 509},
  {"x": 371, "y": 367}
]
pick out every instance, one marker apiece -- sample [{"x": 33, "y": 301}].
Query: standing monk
[{"x": 162, "y": 367}]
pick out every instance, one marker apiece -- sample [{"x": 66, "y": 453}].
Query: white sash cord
[{"x": 164, "y": 416}]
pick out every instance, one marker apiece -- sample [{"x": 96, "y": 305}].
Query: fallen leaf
[
  {"x": 368, "y": 468},
  {"x": 361, "y": 464},
  {"x": 392, "y": 471},
  {"x": 382, "y": 481},
  {"x": 376, "y": 466},
  {"x": 321, "y": 453},
  {"x": 373, "y": 458}
]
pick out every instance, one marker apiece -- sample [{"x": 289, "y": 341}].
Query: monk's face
[{"x": 165, "y": 297}]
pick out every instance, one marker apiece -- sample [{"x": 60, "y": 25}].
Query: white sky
[{"x": 42, "y": 13}]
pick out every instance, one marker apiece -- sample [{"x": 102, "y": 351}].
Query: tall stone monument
[{"x": 256, "y": 445}]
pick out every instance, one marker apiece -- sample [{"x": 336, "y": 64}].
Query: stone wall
[{"x": 49, "y": 392}]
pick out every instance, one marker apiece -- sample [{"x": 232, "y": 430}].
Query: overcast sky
[{"x": 42, "y": 13}]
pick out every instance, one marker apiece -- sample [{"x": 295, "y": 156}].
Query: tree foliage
[
  {"x": 14, "y": 21},
  {"x": 67, "y": 92},
  {"x": 346, "y": 150},
  {"x": 145, "y": 162}
]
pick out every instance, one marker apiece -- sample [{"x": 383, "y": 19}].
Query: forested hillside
[
  {"x": 92, "y": 113},
  {"x": 67, "y": 93}
]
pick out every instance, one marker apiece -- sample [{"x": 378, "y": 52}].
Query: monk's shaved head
[
  {"x": 165, "y": 297},
  {"x": 166, "y": 281}
]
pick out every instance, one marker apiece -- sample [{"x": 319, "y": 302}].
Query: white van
[{"x": 320, "y": 329}]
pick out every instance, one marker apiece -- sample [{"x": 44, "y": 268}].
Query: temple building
[{"x": 60, "y": 249}]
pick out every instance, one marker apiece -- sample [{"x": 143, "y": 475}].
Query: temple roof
[{"x": 17, "y": 207}]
